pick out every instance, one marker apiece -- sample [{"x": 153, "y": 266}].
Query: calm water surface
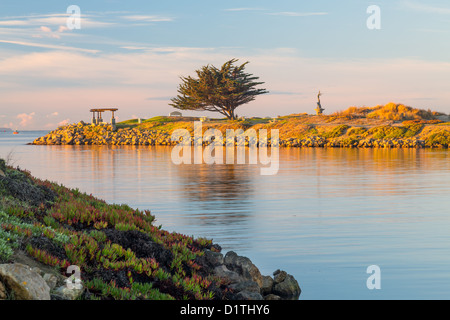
[{"x": 325, "y": 217}]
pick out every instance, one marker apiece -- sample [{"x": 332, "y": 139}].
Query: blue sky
[{"x": 130, "y": 54}]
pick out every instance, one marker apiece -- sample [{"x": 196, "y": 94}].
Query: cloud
[
  {"x": 54, "y": 19},
  {"x": 244, "y": 9},
  {"x": 147, "y": 18},
  {"x": 45, "y": 29},
  {"x": 62, "y": 29},
  {"x": 297, "y": 14},
  {"x": 48, "y": 46},
  {"x": 25, "y": 119},
  {"x": 135, "y": 48},
  {"x": 64, "y": 122},
  {"x": 416, "y": 6}
]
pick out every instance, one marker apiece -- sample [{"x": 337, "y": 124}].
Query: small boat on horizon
[{"x": 16, "y": 132}]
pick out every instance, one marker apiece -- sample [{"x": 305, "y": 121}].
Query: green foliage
[
  {"x": 438, "y": 139},
  {"x": 395, "y": 132},
  {"x": 73, "y": 231},
  {"x": 413, "y": 129},
  {"x": 218, "y": 90},
  {"x": 2, "y": 165},
  {"x": 137, "y": 291},
  {"x": 8, "y": 242},
  {"x": 357, "y": 131},
  {"x": 383, "y": 132},
  {"x": 336, "y": 131}
]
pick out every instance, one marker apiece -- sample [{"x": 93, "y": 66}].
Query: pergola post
[
  {"x": 113, "y": 121},
  {"x": 99, "y": 119}
]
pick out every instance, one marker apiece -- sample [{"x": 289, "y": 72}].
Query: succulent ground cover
[{"x": 120, "y": 251}]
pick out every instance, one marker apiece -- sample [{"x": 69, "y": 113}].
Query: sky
[{"x": 58, "y": 61}]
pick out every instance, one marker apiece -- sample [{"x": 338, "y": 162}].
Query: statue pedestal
[{"x": 319, "y": 109}]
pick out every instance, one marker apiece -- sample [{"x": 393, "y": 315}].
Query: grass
[{"x": 390, "y": 111}]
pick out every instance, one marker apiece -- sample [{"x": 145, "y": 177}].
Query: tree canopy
[{"x": 218, "y": 90}]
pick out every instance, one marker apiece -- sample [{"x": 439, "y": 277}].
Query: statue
[{"x": 319, "y": 108}]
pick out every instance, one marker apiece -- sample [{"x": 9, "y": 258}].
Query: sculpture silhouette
[{"x": 319, "y": 109}]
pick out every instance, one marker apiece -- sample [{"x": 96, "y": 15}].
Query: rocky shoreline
[
  {"x": 48, "y": 232},
  {"x": 19, "y": 281},
  {"x": 86, "y": 134}
]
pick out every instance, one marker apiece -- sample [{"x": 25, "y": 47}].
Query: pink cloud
[
  {"x": 64, "y": 122},
  {"x": 26, "y": 119},
  {"x": 45, "y": 29},
  {"x": 62, "y": 28}
]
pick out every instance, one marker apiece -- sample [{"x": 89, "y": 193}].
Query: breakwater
[{"x": 87, "y": 134}]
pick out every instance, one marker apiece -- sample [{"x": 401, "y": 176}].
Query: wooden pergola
[{"x": 99, "y": 119}]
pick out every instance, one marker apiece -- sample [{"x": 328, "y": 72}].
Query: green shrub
[
  {"x": 357, "y": 131},
  {"x": 438, "y": 139},
  {"x": 413, "y": 129},
  {"x": 336, "y": 131},
  {"x": 2, "y": 165}
]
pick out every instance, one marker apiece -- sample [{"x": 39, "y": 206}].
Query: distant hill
[{"x": 5, "y": 130}]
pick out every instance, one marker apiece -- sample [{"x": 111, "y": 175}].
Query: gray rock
[
  {"x": 267, "y": 285},
  {"x": 24, "y": 283},
  {"x": 3, "y": 293},
  {"x": 247, "y": 295},
  {"x": 212, "y": 258},
  {"x": 250, "y": 286},
  {"x": 272, "y": 296},
  {"x": 243, "y": 266},
  {"x": 223, "y": 272},
  {"x": 288, "y": 288},
  {"x": 51, "y": 280},
  {"x": 68, "y": 293},
  {"x": 279, "y": 276}
]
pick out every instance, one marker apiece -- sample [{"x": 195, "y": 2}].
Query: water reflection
[{"x": 222, "y": 193}]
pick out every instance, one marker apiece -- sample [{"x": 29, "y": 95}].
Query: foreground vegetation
[{"x": 121, "y": 253}]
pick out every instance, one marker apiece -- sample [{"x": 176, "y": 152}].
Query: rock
[
  {"x": 3, "y": 293},
  {"x": 247, "y": 295},
  {"x": 68, "y": 293},
  {"x": 288, "y": 288},
  {"x": 279, "y": 276},
  {"x": 24, "y": 283},
  {"x": 2, "y": 174},
  {"x": 272, "y": 296},
  {"x": 223, "y": 272},
  {"x": 250, "y": 286},
  {"x": 211, "y": 259},
  {"x": 51, "y": 280},
  {"x": 267, "y": 285},
  {"x": 37, "y": 270},
  {"x": 243, "y": 266}
]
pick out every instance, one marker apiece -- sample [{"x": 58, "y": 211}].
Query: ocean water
[{"x": 325, "y": 217}]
